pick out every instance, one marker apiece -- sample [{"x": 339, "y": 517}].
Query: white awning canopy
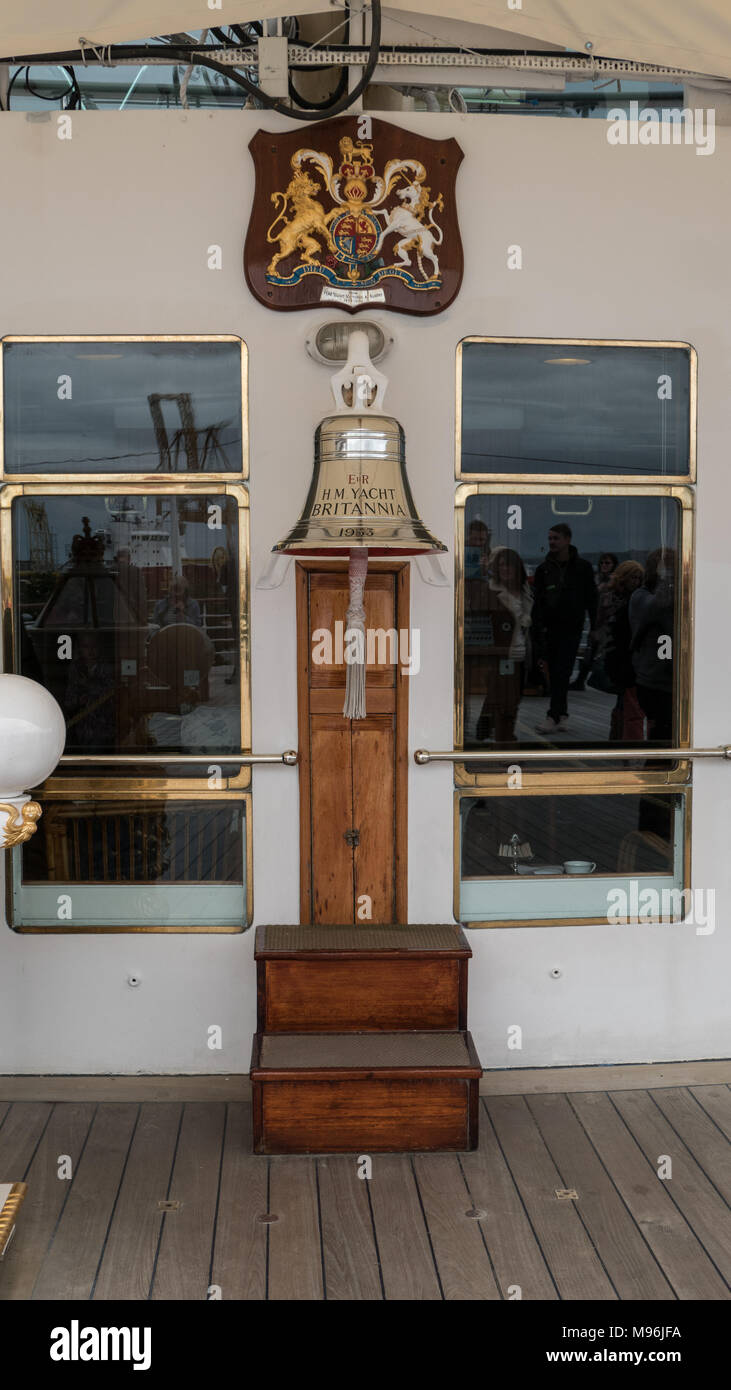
[{"x": 673, "y": 33}]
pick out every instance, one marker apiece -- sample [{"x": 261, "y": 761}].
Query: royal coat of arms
[{"x": 364, "y": 214}]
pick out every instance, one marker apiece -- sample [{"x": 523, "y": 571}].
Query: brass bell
[
  {"x": 359, "y": 503},
  {"x": 359, "y": 494}
]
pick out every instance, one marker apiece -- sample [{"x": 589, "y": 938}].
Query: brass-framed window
[
  {"x": 508, "y": 866},
  {"x": 109, "y": 407},
  {"x": 87, "y": 579},
  {"x": 51, "y": 604},
  {"x": 124, "y": 583},
  {"x": 659, "y": 515},
  {"x": 103, "y": 861},
  {"x": 619, "y": 411}
]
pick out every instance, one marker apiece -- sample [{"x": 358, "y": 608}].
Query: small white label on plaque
[
  {"x": 338, "y": 296},
  {"x": 129, "y": 666},
  {"x": 191, "y": 677}
]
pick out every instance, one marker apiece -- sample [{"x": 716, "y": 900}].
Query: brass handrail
[
  {"x": 516, "y": 755},
  {"x": 289, "y": 758}
]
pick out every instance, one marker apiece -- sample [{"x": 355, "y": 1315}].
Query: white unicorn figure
[{"x": 405, "y": 222}]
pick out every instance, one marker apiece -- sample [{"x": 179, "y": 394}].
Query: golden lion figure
[{"x": 308, "y": 216}]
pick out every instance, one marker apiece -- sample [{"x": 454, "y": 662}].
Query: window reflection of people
[
  {"x": 652, "y": 617},
  {"x": 606, "y": 605},
  {"x": 225, "y": 579},
  {"x": 131, "y": 584},
  {"x": 564, "y": 592},
  {"x": 628, "y": 720},
  {"x": 89, "y": 698},
  {"x": 477, "y": 550},
  {"x": 509, "y": 584},
  {"x": 177, "y": 606}
]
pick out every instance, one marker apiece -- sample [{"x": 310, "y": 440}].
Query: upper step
[
  {"x": 315, "y": 940},
  {"x": 361, "y": 979}
]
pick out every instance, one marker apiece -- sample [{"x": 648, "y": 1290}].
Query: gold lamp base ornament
[{"x": 18, "y": 820}]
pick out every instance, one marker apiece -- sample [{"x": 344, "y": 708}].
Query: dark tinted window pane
[
  {"x": 111, "y": 842},
  {"x": 120, "y": 863},
  {"x": 533, "y": 408},
  {"x": 122, "y": 407},
  {"x": 537, "y": 835},
  {"x": 570, "y": 639},
  {"x": 127, "y": 610}
]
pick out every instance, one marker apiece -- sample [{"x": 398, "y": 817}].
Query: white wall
[{"x": 107, "y": 233}]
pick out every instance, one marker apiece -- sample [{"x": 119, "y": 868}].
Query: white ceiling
[{"x": 695, "y": 36}]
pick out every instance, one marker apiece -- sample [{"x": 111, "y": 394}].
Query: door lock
[{"x": 352, "y": 837}]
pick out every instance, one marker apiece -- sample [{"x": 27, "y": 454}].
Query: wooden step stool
[{"x": 361, "y": 1042}]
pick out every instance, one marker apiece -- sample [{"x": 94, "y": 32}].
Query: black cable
[
  {"x": 12, "y": 82},
  {"x": 241, "y": 32},
  {"x": 54, "y": 96},
  {"x": 74, "y": 91},
  {"x": 309, "y": 103},
  {"x": 179, "y": 53},
  {"x": 342, "y": 86}
]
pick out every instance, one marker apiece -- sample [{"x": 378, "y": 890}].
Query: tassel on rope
[{"x": 355, "y": 703}]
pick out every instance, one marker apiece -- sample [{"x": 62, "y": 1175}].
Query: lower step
[{"x": 364, "y": 1092}]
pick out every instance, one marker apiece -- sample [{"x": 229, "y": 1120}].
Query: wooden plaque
[{"x": 355, "y": 213}]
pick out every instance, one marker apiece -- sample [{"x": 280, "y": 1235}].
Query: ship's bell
[
  {"x": 359, "y": 494},
  {"x": 359, "y": 502}
]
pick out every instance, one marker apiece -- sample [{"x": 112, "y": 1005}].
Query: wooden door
[{"x": 353, "y": 772}]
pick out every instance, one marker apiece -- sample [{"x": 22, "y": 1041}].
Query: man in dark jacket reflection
[{"x": 564, "y": 592}]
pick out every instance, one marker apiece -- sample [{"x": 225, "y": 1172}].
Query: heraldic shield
[{"x": 354, "y": 212}]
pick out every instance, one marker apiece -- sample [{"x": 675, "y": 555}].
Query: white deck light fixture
[{"x": 32, "y": 738}]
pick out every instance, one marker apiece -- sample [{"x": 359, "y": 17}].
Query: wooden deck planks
[
  {"x": 695, "y": 1196},
  {"x": 574, "y": 1263},
  {"x": 679, "y": 1254},
  {"x": 295, "y": 1256},
  {"x": 128, "y": 1259},
  {"x": 70, "y": 1266},
  {"x": 459, "y": 1249},
  {"x": 716, "y": 1102},
  {"x": 407, "y": 1261},
  {"x": 348, "y": 1243},
  {"x": 239, "y": 1253},
  {"x": 41, "y": 1134},
  {"x": 702, "y": 1136},
  {"x": 632, "y": 1267},
  {"x": 516, "y": 1256},
  {"x": 186, "y": 1241},
  {"x": 403, "y": 1234},
  {"x": 20, "y": 1134}
]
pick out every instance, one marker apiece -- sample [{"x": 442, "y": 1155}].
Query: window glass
[
  {"x": 122, "y": 407},
  {"x": 127, "y": 610},
  {"x": 570, "y": 615},
  {"x": 542, "y": 408},
  {"x": 571, "y": 856},
  {"x": 109, "y": 863}
]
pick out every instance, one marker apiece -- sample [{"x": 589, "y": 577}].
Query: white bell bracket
[{"x": 359, "y": 388}]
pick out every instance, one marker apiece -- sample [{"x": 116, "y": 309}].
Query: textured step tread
[
  {"x": 446, "y": 936},
  {"x": 308, "y": 1051}
]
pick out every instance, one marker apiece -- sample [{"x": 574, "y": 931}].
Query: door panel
[
  {"x": 373, "y": 758},
  {"x": 332, "y": 809},
  {"x": 329, "y": 604},
  {"x": 353, "y": 773}
]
